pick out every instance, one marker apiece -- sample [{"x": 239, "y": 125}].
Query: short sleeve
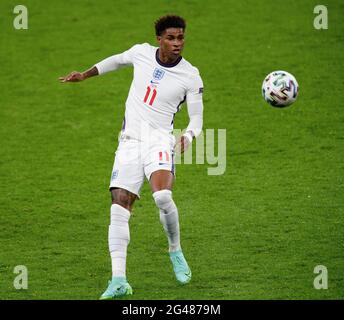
[{"x": 128, "y": 56}]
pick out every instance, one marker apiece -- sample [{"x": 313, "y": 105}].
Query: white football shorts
[{"x": 136, "y": 159}]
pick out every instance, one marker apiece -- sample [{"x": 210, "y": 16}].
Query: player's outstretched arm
[
  {"x": 76, "y": 76},
  {"x": 109, "y": 64}
]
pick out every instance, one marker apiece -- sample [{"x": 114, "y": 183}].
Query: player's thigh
[
  {"x": 128, "y": 170},
  {"x": 161, "y": 180},
  {"x": 159, "y": 166}
]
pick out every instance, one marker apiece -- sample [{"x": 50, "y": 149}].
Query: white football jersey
[{"x": 157, "y": 90}]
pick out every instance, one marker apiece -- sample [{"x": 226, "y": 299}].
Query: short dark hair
[{"x": 169, "y": 21}]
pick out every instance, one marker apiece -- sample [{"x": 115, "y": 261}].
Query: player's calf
[
  {"x": 170, "y": 221},
  {"x": 168, "y": 217},
  {"x": 119, "y": 237}
]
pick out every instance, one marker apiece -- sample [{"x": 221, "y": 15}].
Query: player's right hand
[
  {"x": 182, "y": 144},
  {"x": 74, "y": 76}
]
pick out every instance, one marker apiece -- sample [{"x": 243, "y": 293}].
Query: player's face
[{"x": 172, "y": 42}]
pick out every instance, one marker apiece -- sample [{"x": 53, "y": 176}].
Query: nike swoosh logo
[
  {"x": 188, "y": 274},
  {"x": 154, "y": 82}
]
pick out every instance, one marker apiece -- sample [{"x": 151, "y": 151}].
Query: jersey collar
[{"x": 167, "y": 65}]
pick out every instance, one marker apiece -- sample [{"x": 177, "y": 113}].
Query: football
[{"x": 280, "y": 89}]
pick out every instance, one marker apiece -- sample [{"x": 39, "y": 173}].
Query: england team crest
[
  {"x": 114, "y": 175},
  {"x": 158, "y": 74}
]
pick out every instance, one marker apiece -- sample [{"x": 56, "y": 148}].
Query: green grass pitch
[{"x": 255, "y": 232}]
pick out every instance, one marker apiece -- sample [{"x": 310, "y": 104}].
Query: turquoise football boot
[
  {"x": 180, "y": 267},
  {"x": 118, "y": 287}
]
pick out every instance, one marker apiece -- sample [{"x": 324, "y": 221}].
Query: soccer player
[{"x": 162, "y": 81}]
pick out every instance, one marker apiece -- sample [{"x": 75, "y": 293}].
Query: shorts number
[
  {"x": 162, "y": 154},
  {"x": 148, "y": 94}
]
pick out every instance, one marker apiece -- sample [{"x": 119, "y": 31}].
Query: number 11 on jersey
[{"x": 148, "y": 94}]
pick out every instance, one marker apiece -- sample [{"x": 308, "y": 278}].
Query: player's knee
[
  {"x": 163, "y": 198},
  {"x": 123, "y": 198}
]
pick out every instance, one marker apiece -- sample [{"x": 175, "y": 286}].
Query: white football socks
[
  {"x": 168, "y": 217},
  {"x": 119, "y": 238}
]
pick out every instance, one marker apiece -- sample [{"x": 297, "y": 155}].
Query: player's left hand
[
  {"x": 74, "y": 76},
  {"x": 182, "y": 144}
]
